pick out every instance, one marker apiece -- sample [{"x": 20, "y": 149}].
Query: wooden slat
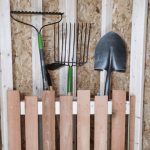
[
  {"x": 83, "y": 120},
  {"x": 132, "y": 122},
  {"x": 137, "y": 64},
  {"x": 48, "y": 107},
  {"x": 36, "y": 5},
  {"x": 66, "y": 140},
  {"x": 101, "y": 110},
  {"x": 37, "y": 84},
  {"x": 31, "y": 122},
  {"x": 118, "y": 119},
  {"x": 13, "y": 110},
  {"x": 69, "y": 7},
  {"x": 107, "y": 7},
  {"x": 6, "y": 75}
]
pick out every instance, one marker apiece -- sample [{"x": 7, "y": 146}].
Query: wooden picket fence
[{"x": 66, "y": 121}]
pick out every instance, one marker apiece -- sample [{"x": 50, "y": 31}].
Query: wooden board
[
  {"x": 107, "y": 6},
  {"x": 118, "y": 120},
  {"x": 36, "y": 5},
  {"x": 101, "y": 110},
  {"x": 69, "y": 7},
  {"x": 6, "y": 75},
  {"x": 13, "y": 112},
  {"x": 31, "y": 122},
  {"x": 48, "y": 107},
  {"x": 57, "y": 107},
  {"x": 66, "y": 118},
  {"x": 137, "y": 64},
  {"x": 83, "y": 120},
  {"x": 132, "y": 122}
]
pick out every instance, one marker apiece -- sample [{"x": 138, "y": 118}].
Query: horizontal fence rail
[
  {"x": 66, "y": 107},
  {"x": 57, "y": 107}
]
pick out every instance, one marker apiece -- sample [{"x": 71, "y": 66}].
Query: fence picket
[
  {"x": 48, "y": 108},
  {"x": 118, "y": 119},
  {"x": 31, "y": 122},
  {"x": 83, "y": 120},
  {"x": 13, "y": 110},
  {"x": 101, "y": 111},
  {"x": 132, "y": 123},
  {"x": 66, "y": 138}
]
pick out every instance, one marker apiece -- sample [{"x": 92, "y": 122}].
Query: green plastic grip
[
  {"x": 69, "y": 88},
  {"x": 40, "y": 41}
]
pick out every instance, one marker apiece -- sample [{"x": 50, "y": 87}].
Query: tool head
[
  {"x": 110, "y": 45},
  {"x": 53, "y": 66}
]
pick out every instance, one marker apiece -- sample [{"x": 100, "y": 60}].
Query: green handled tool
[
  {"x": 45, "y": 74},
  {"x": 78, "y": 57}
]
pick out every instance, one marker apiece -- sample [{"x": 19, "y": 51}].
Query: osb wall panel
[
  {"x": 48, "y": 39},
  {"x": 146, "y": 112},
  {"x": 89, "y": 11},
  {"x": 21, "y": 48},
  {"x": 121, "y": 24}
]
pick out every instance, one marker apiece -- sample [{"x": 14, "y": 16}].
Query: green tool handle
[
  {"x": 69, "y": 88},
  {"x": 45, "y": 82}
]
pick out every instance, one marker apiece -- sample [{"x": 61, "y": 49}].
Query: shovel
[
  {"x": 110, "y": 55},
  {"x": 52, "y": 66}
]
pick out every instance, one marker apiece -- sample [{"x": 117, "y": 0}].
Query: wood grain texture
[
  {"x": 101, "y": 110},
  {"x": 31, "y": 122},
  {"x": 48, "y": 108},
  {"x": 83, "y": 120},
  {"x": 37, "y": 87},
  {"x": 66, "y": 119},
  {"x": 13, "y": 113},
  {"x": 137, "y": 64},
  {"x": 132, "y": 123},
  {"x": 6, "y": 75},
  {"x": 118, "y": 120}
]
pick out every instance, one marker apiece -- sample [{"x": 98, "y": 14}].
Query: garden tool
[
  {"x": 110, "y": 55},
  {"x": 77, "y": 57},
  {"x": 45, "y": 74},
  {"x": 43, "y": 68}
]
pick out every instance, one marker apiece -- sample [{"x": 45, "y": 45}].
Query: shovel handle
[
  {"x": 69, "y": 88},
  {"x": 45, "y": 83}
]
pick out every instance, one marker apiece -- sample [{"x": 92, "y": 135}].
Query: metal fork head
[{"x": 72, "y": 44}]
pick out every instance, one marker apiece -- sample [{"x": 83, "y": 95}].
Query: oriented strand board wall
[
  {"x": 146, "y": 113},
  {"x": 89, "y": 11},
  {"x": 122, "y": 17},
  {"x": 21, "y": 49}
]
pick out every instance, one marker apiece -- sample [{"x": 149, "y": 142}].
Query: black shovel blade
[
  {"x": 110, "y": 45},
  {"x": 54, "y": 66}
]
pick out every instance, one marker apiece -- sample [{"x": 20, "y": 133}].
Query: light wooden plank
[
  {"x": 83, "y": 120},
  {"x": 48, "y": 107},
  {"x": 31, "y": 122},
  {"x": 118, "y": 120},
  {"x": 101, "y": 110},
  {"x": 37, "y": 84},
  {"x": 66, "y": 118},
  {"x": 107, "y": 6},
  {"x": 6, "y": 75},
  {"x": 132, "y": 122},
  {"x": 69, "y": 7},
  {"x": 106, "y": 26},
  {"x": 37, "y": 87},
  {"x": 13, "y": 110},
  {"x": 57, "y": 108},
  {"x": 137, "y": 64}
]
